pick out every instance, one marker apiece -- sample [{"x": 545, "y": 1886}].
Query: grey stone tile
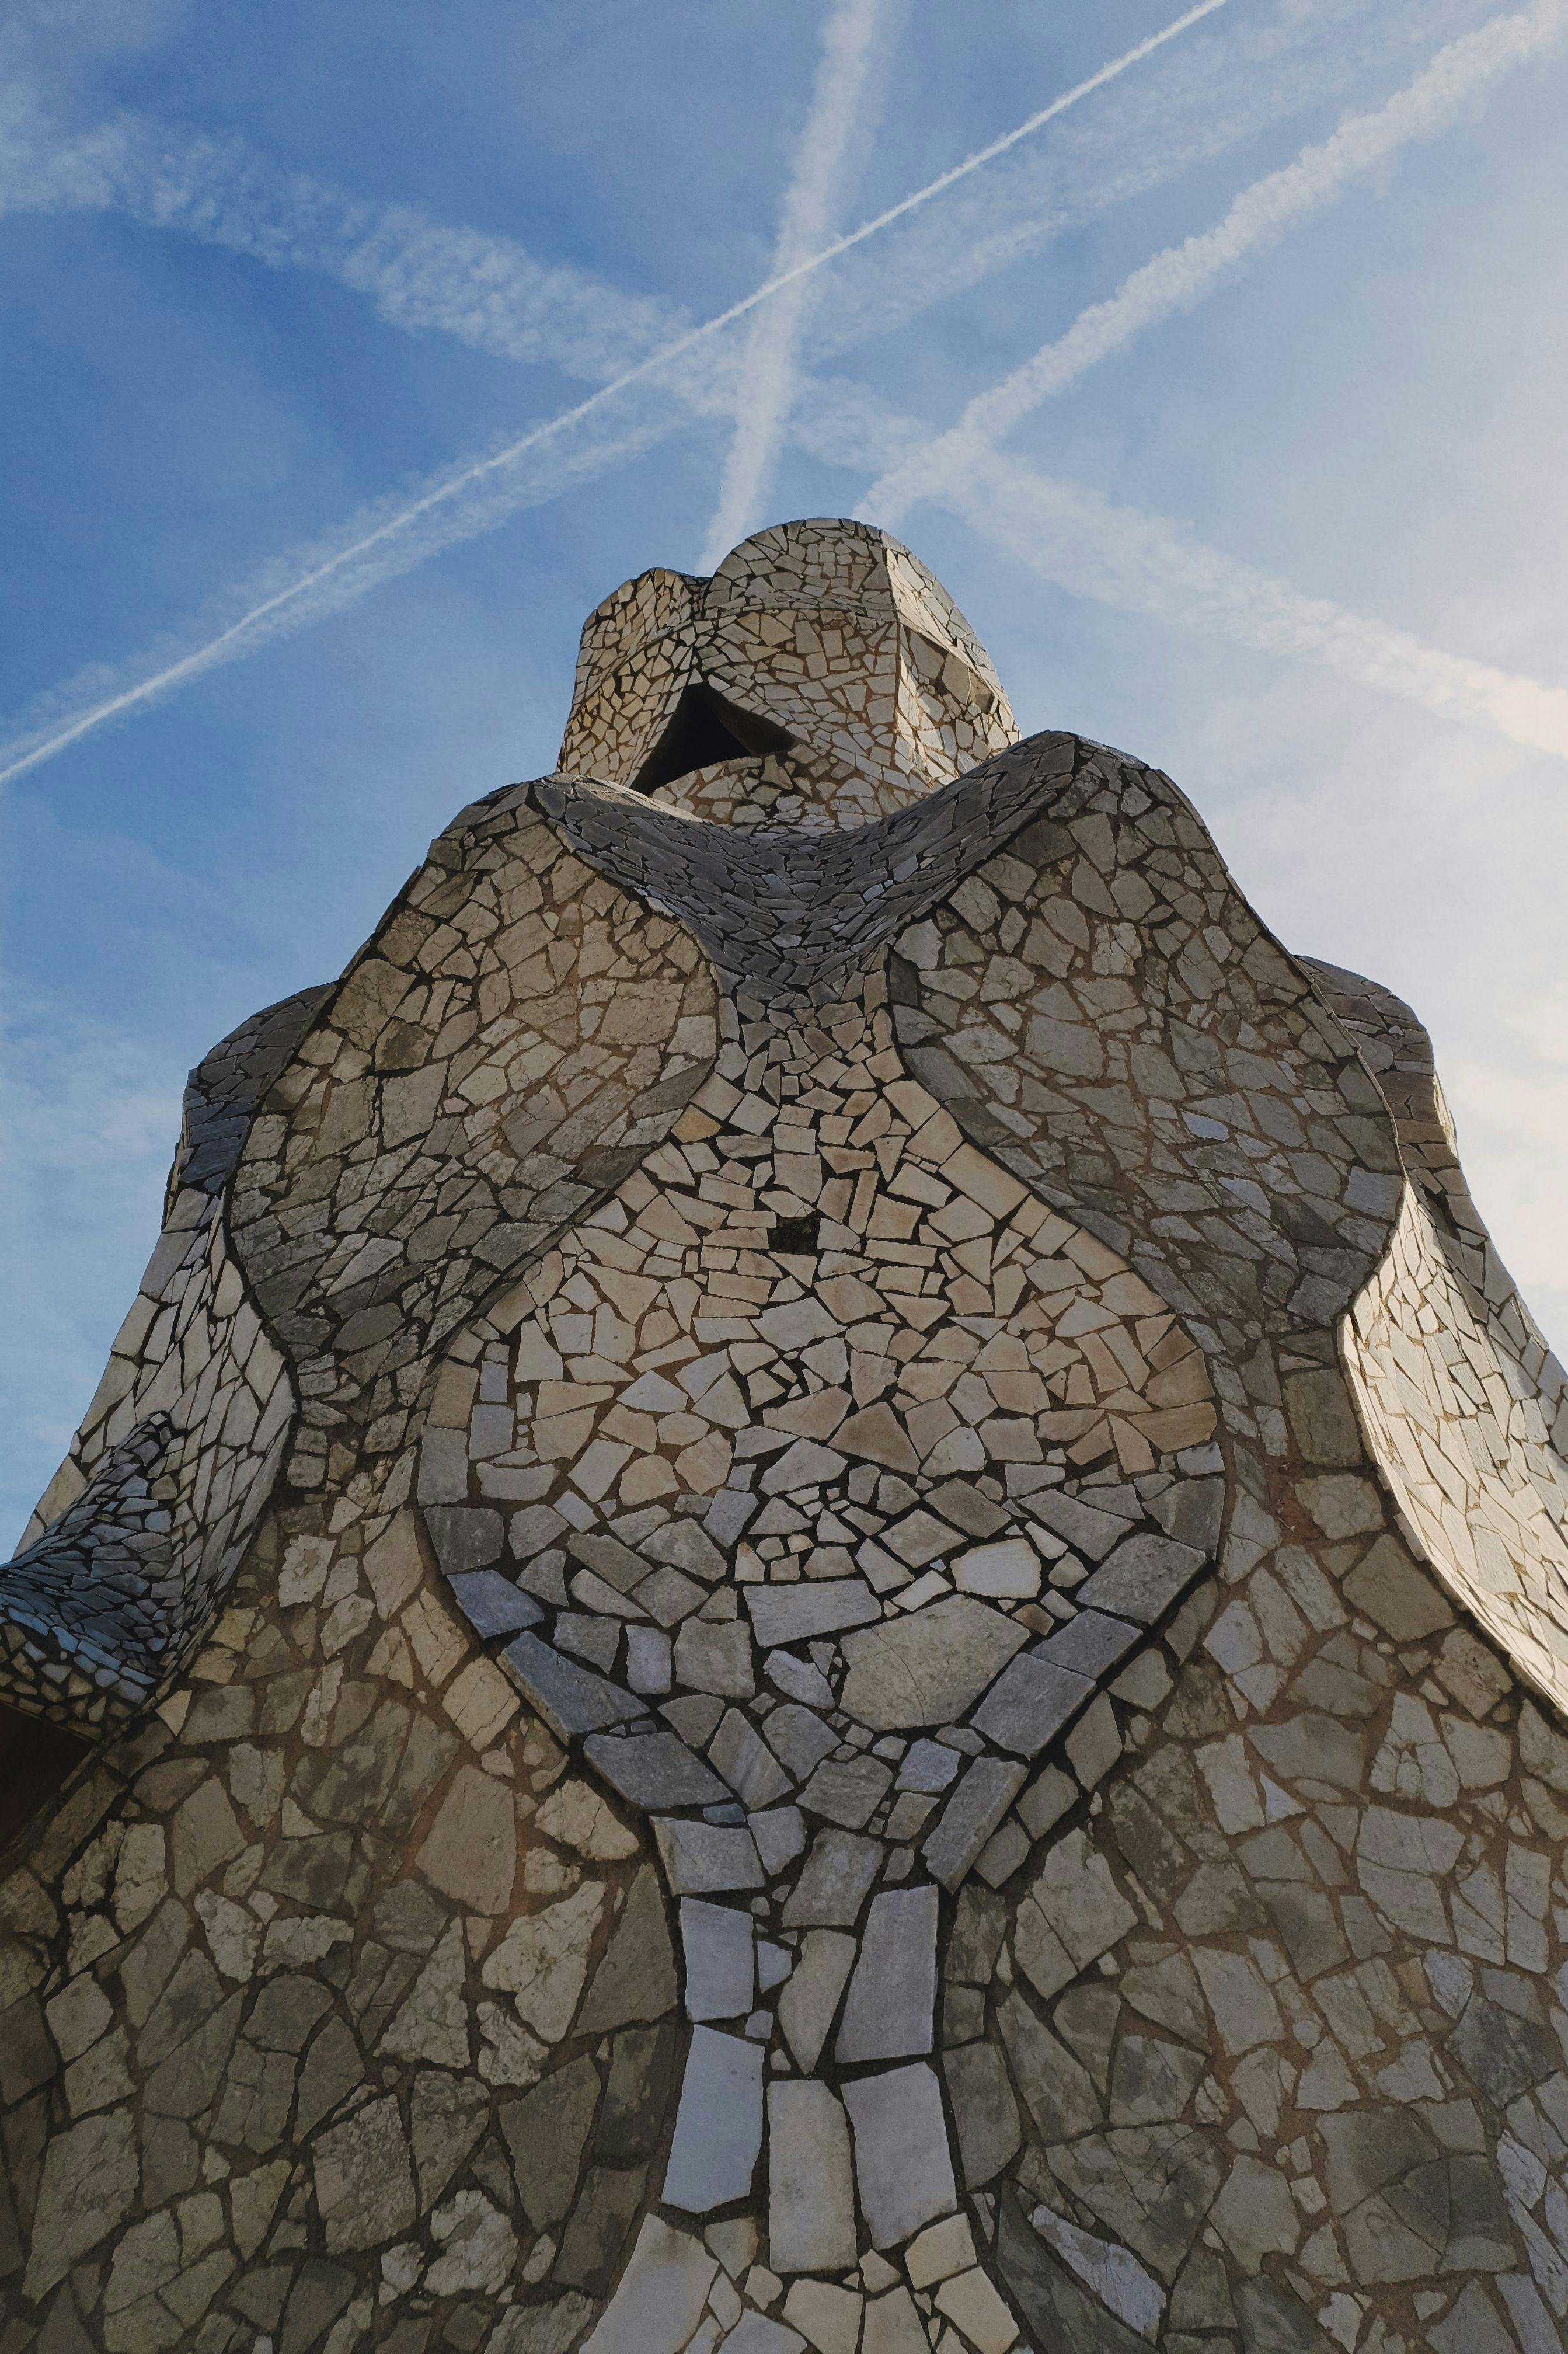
[
  {"x": 653, "y": 1769},
  {"x": 847, "y": 1790},
  {"x": 718, "y": 1943},
  {"x": 707, "y": 1859},
  {"x": 748, "y": 1765},
  {"x": 834, "y": 1882},
  {"x": 988, "y": 1787},
  {"x": 1142, "y": 1578},
  {"x": 793, "y": 1614},
  {"x": 902, "y": 2168},
  {"x": 811, "y": 2184},
  {"x": 570, "y": 1699},
  {"x": 811, "y": 1999},
  {"x": 1030, "y": 1701},
  {"x": 493, "y": 1605},
  {"x": 1091, "y": 1644},
  {"x": 893, "y": 1993},
  {"x": 929, "y": 1668},
  {"x": 718, "y": 2125}
]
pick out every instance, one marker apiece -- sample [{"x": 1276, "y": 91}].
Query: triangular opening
[{"x": 704, "y": 728}]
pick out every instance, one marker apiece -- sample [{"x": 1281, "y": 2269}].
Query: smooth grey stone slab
[
  {"x": 798, "y": 1678},
  {"x": 659, "y": 2299},
  {"x": 780, "y": 1834},
  {"x": 1032, "y": 1699},
  {"x": 715, "y": 1656},
  {"x": 928, "y": 1766},
  {"x": 707, "y": 1859},
  {"x": 685, "y": 1544},
  {"x": 728, "y": 1514},
  {"x": 570, "y": 1699},
  {"x": 491, "y": 1603},
  {"x": 988, "y": 2130},
  {"x": 718, "y": 1943},
  {"x": 810, "y": 2182},
  {"x": 654, "y": 1769},
  {"x": 800, "y": 1737},
  {"x": 1193, "y": 1509},
  {"x": 1089, "y": 1644},
  {"x": 893, "y": 1991},
  {"x": 806, "y": 2005},
  {"x": 834, "y": 1881},
  {"x": 748, "y": 1765},
  {"x": 1142, "y": 1578},
  {"x": 968, "y": 1510},
  {"x": 718, "y": 2125},
  {"x": 971, "y": 1814},
  {"x": 466, "y": 1536},
  {"x": 647, "y": 1660},
  {"x": 929, "y": 1668},
  {"x": 902, "y": 2167},
  {"x": 608, "y": 1559},
  {"x": 1086, "y": 1530},
  {"x": 793, "y": 1614},
  {"x": 848, "y": 1790}
]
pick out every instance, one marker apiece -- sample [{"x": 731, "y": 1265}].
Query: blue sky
[{"x": 1285, "y": 516}]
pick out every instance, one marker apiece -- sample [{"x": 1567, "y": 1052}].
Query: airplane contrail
[
  {"x": 424, "y": 274},
  {"x": 767, "y": 374},
  {"x": 1138, "y": 563},
  {"x": 1176, "y": 278},
  {"x": 475, "y": 476}
]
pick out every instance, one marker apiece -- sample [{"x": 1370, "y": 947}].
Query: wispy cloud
[
  {"x": 1146, "y": 563},
  {"x": 1225, "y": 84},
  {"x": 478, "y": 495},
  {"x": 1182, "y": 274},
  {"x": 382, "y": 541},
  {"x": 769, "y": 367},
  {"x": 420, "y": 273}
]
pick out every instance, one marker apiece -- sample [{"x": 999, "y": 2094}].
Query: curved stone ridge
[
  {"x": 513, "y": 1037},
  {"x": 1463, "y": 1402},
  {"x": 791, "y": 916},
  {"x": 227, "y": 1084}
]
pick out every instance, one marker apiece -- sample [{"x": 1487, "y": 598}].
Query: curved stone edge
[
  {"x": 1461, "y": 1397},
  {"x": 1398, "y": 1051},
  {"x": 363, "y": 1294},
  {"x": 1148, "y": 1104},
  {"x": 126, "y": 1558},
  {"x": 211, "y": 1297}
]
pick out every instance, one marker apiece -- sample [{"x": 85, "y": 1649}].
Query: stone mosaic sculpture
[{"x": 851, "y": 1567}]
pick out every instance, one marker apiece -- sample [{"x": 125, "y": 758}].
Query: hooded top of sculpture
[{"x": 821, "y": 677}]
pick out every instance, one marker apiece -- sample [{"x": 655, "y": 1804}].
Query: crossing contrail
[
  {"x": 769, "y": 365},
  {"x": 1146, "y": 563},
  {"x": 262, "y": 620},
  {"x": 1178, "y": 278}
]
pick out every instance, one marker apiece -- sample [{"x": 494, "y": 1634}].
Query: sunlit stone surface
[{"x": 819, "y": 1601}]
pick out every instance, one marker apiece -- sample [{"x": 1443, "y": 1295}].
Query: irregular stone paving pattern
[{"x": 838, "y": 1330}]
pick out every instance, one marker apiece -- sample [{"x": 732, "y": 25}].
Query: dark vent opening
[
  {"x": 36, "y": 1758},
  {"x": 797, "y": 1235},
  {"x": 704, "y": 728}
]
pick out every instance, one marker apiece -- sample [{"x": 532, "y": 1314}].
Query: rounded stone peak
[{"x": 820, "y": 676}]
